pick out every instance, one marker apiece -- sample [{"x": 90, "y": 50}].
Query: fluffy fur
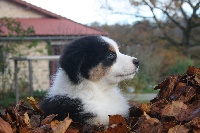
[{"x": 86, "y": 82}]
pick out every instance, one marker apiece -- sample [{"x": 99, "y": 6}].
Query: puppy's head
[{"x": 97, "y": 58}]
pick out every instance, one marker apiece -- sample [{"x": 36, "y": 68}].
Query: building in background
[{"x": 51, "y": 33}]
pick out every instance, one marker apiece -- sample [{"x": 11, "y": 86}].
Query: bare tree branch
[
  {"x": 130, "y": 14},
  {"x": 182, "y": 11},
  {"x": 194, "y": 16},
  {"x": 160, "y": 26},
  {"x": 170, "y": 17},
  {"x": 190, "y": 3}
]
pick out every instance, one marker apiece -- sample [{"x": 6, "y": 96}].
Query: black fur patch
[
  {"x": 62, "y": 105},
  {"x": 79, "y": 57}
]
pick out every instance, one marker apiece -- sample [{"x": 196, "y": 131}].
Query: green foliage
[
  {"x": 48, "y": 47},
  {"x": 33, "y": 44},
  {"x": 8, "y": 98},
  {"x": 12, "y": 48},
  {"x": 180, "y": 66},
  {"x": 15, "y": 29}
]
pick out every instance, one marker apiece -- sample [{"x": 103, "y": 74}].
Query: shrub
[{"x": 180, "y": 66}]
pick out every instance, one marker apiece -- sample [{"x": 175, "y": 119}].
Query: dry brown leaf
[
  {"x": 193, "y": 71},
  {"x": 168, "y": 122},
  {"x": 151, "y": 125},
  {"x": 116, "y": 119},
  {"x": 35, "y": 121},
  {"x": 178, "y": 129},
  {"x": 38, "y": 130},
  {"x": 157, "y": 106},
  {"x": 47, "y": 128},
  {"x": 166, "y": 87},
  {"x": 24, "y": 130},
  {"x": 34, "y": 104},
  {"x": 71, "y": 130},
  {"x": 147, "y": 116},
  {"x": 117, "y": 129},
  {"x": 194, "y": 123},
  {"x": 117, "y": 124},
  {"x": 48, "y": 119},
  {"x": 9, "y": 119},
  {"x": 26, "y": 120},
  {"x": 146, "y": 107},
  {"x": 196, "y": 131},
  {"x": 197, "y": 78},
  {"x": 183, "y": 93},
  {"x": 173, "y": 109},
  {"x": 54, "y": 123},
  {"x": 62, "y": 126},
  {"x": 190, "y": 113},
  {"x": 5, "y": 126}
]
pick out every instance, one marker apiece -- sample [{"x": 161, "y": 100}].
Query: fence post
[
  {"x": 30, "y": 77},
  {"x": 16, "y": 83}
]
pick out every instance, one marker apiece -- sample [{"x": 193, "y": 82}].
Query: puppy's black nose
[{"x": 136, "y": 62}]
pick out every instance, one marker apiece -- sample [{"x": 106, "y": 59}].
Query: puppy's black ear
[{"x": 70, "y": 61}]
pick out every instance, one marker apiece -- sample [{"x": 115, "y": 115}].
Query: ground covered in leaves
[{"x": 176, "y": 109}]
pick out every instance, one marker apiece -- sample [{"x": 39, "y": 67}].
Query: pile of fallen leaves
[
  {"x": 25, "y": 119},
  {"x": 176, "y": 109}
]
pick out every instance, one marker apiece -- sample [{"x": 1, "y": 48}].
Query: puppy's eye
[{"x": 111, "y": 56}]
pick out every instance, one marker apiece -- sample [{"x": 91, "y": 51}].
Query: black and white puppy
[{"x": 85, "y": 85}]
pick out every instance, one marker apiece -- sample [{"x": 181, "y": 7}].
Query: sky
[{"x": 88, "y": 11}]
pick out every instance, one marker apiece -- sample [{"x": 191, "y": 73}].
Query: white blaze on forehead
[{"x": 110, "y": 41}]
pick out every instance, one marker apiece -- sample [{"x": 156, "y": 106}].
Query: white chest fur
[
  {"x": 106, "y": 103},
  {"x": 97, "y": 100}
]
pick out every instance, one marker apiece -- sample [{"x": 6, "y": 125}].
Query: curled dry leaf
[
  {"x": 27, "y": 120},
  {"x": 190, "y": 113},
  {"x": 178, "y": 129},
  {"x": 146, "y": 107},
  {"x": 173, "y": 109},
  {"x": 48, "y": 119},
  {"x": 62, "y": 126},
  {"x": 5, "y": 126},
  {"x": 147, "y": 116},
  {"x": 54, "y": 123},
  {"x": 183, "y": 93},
  {"x": 35, "y": 121},
  {"x": 166, "y": 87},
  {"x": 38, "y": 130},
  {"x": 117, "y": 124},
  {"x": 24, "y": 130},
  {"x": 194, "y": 123},
  {"x": 71, "y": 130},
  {"x": 193, "y": 70},
  {"x": 34, "y": 104},
  {"x": 116, "y": 119},
  {"x": 151, "y": 125},
  {"x": 157, "y": 107}
]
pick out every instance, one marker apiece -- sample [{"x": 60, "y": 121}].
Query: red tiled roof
[
  {"x": 35, "y": 8},
  {"x": 56, "y": 27},
  {"x": 53, "y": 25}
]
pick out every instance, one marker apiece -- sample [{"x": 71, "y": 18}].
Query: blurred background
[{"x": 163, "y": 35}]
